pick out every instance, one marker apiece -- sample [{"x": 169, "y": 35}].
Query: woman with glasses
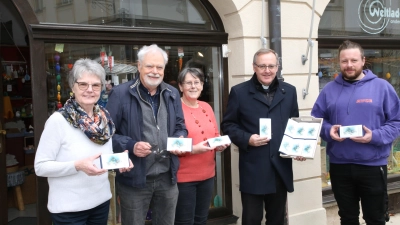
[
  {"x": 197, "y": 169},
  {"x": 72, "y": 139}
]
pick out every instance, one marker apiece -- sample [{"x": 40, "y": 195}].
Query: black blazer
[{"x": 258, "y": 166}]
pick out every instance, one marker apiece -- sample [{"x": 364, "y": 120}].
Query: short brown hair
[
  {"x": 263, "y": 51},
  {"x": 349, "y": 45}
]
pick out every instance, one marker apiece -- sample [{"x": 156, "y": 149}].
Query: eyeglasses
[
  {"x": 189, "y": 84},
  {"x": 163, "y": 153},
  {"x": 84, "y": 86},
  {"x": 264, "y": 67}
]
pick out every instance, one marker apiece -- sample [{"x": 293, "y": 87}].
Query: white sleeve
[{"x": 49, "y": 147}]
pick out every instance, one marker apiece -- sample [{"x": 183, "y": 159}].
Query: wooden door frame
[
  {"x": 3, "y": 173},
  {"x": 39, "y": 93}
]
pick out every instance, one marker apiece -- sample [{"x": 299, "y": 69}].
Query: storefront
[
  {"x": 60, "y": 32},
  {"x": 376, "y": 26}
]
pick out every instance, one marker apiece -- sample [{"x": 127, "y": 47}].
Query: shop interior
[{"x": 16, "y": 100}]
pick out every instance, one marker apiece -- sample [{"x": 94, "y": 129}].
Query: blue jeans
[
  {"x": 352, "y": 183},
  {"x": 135, "y": 203},
  {"x": 194, "y": 202},
  {"x": 95, "y": 216}
]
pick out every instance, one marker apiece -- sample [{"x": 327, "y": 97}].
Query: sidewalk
[{"x": 394, "y": 219}]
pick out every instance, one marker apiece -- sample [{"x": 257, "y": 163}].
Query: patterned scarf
[{"x": 99, "y": 130}]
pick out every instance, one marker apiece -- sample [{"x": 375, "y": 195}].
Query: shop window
[
  {"x": 64, "y": 2},
  {"x": 181, "y": 14},
  {"x": 358, "y": 18},
  {"x": 386, "y": 65},
  {"x": 17, "y": 97},
  {"x": 37, "y": 6},
  {"x": 60, "y": 59}
]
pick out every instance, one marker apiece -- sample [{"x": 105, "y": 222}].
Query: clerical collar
[{"x": 265, "y": 87}]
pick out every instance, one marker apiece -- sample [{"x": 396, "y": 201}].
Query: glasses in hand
[
  {"x": 163, "y": 153},
  {"x": 83, "y": 86}
]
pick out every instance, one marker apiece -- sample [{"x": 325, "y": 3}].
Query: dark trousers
[
  {"x": 194, "y": 202},
  {"x": 352, "y": 183},
  {"x": 95, "y": 216},
  {"x": 275, "y": 206}
]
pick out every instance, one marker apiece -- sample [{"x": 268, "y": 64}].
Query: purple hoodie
[{"x": 371, "y": 102}]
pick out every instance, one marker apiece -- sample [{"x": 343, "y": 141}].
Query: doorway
[{"x": 17, "y": 181}]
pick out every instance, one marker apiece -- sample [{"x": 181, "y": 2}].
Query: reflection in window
[
  {"x": 38, "y": 5},
  {"x": 360, "y": 18},
  {"x": 60, "y": 57},
  {"x": 181, "y": 14},
  {"x": 64, "y": 2},
  {"x": 386, "y": 65}
]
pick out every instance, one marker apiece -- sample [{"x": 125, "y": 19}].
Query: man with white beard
[{"x": 146, "y": 111}]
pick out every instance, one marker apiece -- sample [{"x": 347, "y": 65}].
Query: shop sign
[{"x": 375, "y": 15}]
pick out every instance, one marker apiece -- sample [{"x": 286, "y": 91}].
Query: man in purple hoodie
[{"x": 358, "y": 165}]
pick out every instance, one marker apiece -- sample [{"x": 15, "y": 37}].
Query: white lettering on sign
[{"x": 375, "y": 15}]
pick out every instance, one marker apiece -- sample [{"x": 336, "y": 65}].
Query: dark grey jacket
[{"x": 123, "y": 105}]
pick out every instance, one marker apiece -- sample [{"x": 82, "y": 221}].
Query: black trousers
[
  {"x": 275, "y": 206},
  {"x": 352, "y": 183}
]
